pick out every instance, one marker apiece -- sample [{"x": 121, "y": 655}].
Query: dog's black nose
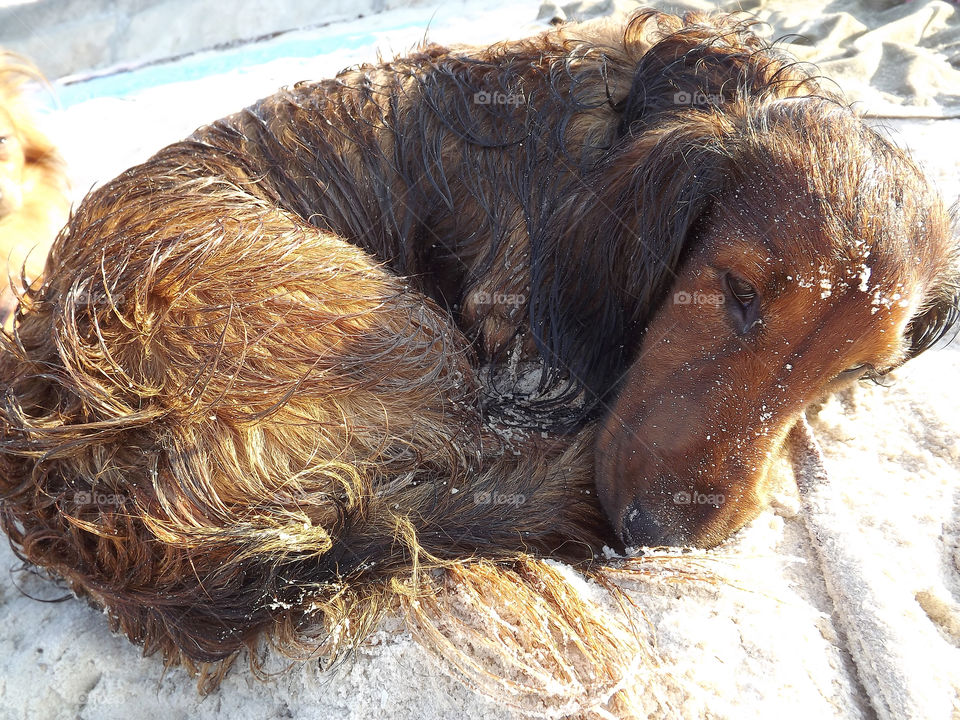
[{"x": 639, "y": 527}]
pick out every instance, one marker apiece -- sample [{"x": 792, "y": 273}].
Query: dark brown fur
[{"x": 247, "y": 397}]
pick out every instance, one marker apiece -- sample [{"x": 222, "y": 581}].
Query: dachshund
[
  {"x": 33, "y": 185},
  {"x": 468, "y": 305}
]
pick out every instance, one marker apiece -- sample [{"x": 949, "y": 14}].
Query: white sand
[{"x": 772, "y": 642}]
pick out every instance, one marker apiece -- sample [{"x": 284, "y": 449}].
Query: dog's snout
[{"x": 640, "y": 527}]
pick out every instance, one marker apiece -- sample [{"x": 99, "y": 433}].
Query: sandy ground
[{"x": 785, "y": 635}]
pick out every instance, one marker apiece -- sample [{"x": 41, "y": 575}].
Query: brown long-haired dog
[
  {"x": 33, "y": 187},
  {"x": 248, "y": 396}
]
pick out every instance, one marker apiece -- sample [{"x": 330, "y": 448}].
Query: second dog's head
[
  {"x": 12, "y": 161},
  {"x": 33, "y": 187}
]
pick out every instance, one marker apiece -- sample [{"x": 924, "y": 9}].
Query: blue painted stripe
[{"x": 209, "y": 63}]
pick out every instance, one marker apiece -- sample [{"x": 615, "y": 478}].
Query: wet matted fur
[{"x": 247, "y": 398}]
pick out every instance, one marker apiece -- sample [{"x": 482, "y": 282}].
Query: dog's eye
[
  {"x": 855, "y": 371},
  {"x": 865, "y": 371},
  {"x": 742, "y": 291},
  {"x": 742, "y": 305}
]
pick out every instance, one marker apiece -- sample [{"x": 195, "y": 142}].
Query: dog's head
[{"x": 810, "y": 253}]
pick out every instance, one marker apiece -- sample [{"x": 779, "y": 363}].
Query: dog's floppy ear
[{"x": 633, "y": 215}]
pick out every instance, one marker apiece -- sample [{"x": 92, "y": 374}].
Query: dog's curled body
[{"x": 254, "y": 358}]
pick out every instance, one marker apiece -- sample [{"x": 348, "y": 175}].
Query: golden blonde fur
[{"x": 33, "y": 187}]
